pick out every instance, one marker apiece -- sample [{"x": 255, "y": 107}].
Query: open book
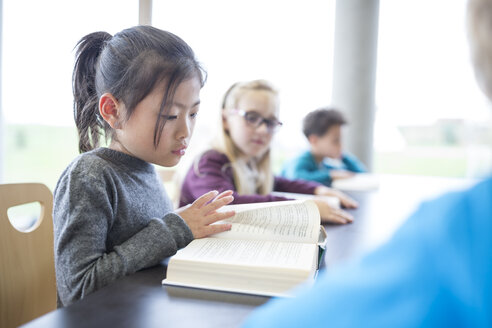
[
  {"x": 271, "y": 248},
  {"x": 331, "y": 200}
]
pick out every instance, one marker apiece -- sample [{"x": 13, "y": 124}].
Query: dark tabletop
[{"x": 139, "y": 300}]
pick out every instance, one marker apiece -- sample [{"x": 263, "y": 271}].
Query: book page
[
  {"x": 256, "y": 266},
  {"x": 331, "y": 200},
  {"x": 260, "y": 253},
  {"x": 295, "y": 221}
]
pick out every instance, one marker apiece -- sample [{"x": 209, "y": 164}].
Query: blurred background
[{"x": 430, "y": 117}]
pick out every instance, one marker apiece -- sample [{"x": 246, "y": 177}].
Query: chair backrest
[{"x": 27, "y": 269}]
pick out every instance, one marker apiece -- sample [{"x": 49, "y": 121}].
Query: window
[
  {"x": 431, "y": 117},
  {"x": 286, "y": 42},
  {"x": 37, "y": 63}
]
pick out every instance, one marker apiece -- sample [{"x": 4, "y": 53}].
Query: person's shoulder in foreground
[{"x": 435, "y": 271}]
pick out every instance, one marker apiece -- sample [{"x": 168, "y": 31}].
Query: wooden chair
[{"x": 27, "y": 269}]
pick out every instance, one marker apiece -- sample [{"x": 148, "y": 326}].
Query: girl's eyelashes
[
  {"x": 174, "y": 117},
  {"x": 170, "y": 117}
]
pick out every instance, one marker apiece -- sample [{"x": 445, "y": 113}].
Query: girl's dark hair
[
  {"x": 128, "y": 65},
  {"x": 318, "y": 122}
]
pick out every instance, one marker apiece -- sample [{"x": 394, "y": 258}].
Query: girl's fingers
[
  {"x": 205, "y": 198},
  {"x": 216, "y": 204},
  {"x": 339, "y": 216},
  {"x": 216, "y": 228},
  {"x": 219, "y": 216},
  {"x": 335, "y": 219},
  {"x": 349, "y": 202},
  {"x": 346, "y": 216},
  {"x": 345, "y": 200},
  {"x": 224, "y": 194}
]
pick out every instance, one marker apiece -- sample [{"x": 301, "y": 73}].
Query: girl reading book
[
  {"x": 240, "y": 157},
  {"x": 140, "y": 89}
]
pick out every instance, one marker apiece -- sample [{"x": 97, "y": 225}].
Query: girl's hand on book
[
  {"x": 330, "y": 214},
  {"x": 345, "y": 200},
  {"x": 200, "y": 215}
]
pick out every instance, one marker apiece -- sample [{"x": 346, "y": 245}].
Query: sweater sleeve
[
  {"x": 295, "y": 186},
  {"x": 353, "y": 164},
  {"x": 214, "y": 173},
  {"x": 83, "y": 216}
]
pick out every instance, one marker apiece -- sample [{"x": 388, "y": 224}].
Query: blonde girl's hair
[{"x": 245, "y": 185}]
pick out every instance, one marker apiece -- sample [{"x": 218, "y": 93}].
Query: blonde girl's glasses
[{"x": 255, "y": 120}]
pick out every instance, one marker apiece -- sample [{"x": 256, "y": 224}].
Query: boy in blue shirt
[{"x": 325, "y": 161}]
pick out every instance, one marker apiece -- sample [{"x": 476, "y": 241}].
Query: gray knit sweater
[{"x": 112, "y": 217}]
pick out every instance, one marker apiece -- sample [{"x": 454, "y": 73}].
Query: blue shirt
[
  {"x": 436, "y": 271},
  {"x": 305, "y": 167}
]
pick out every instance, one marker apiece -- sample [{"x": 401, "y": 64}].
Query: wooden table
[{"x": 140, "y": 300}]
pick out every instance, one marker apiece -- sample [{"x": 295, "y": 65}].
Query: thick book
[
  {"x": 270, "y": 249},
  {"x": 331, "y": 200}
]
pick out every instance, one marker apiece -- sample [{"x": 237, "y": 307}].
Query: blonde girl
[{"x": 240, "y": 157}]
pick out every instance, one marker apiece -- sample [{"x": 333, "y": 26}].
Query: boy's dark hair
[
  {"x": 318, "y": 122},
  {"x": 129, "y": 65}
]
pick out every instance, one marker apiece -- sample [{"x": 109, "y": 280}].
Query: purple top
[{"x": 215, "y": 174}]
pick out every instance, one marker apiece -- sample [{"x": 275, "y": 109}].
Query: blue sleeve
[
  {"x": 303, "y": 168},
  {"x": 435, "y": 271},
  {"x": 353, "y": 164}
]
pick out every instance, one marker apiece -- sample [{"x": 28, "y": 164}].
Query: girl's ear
[{"x": 110, "y": 110}]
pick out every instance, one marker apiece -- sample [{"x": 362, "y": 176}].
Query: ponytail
[{"x": 90, "y": 125}]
